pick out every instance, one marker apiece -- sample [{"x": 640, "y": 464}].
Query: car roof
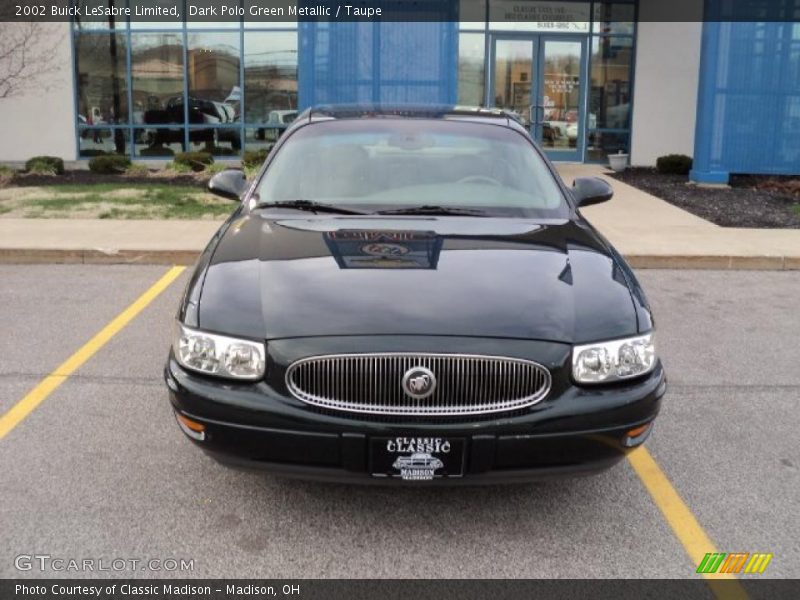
[{"x": 327, "y": 112}]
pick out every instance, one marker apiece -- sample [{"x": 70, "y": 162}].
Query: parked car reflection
[{"x": 278, "y": 121}]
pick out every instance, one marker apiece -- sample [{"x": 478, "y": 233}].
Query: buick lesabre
[{"x": 412, "y": 295}]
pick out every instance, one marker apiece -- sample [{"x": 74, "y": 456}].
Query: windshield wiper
[
  {"x": 311, "y": 206},
  {"x": 429, "y": 209}
]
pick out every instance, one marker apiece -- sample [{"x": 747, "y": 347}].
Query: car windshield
[{"x": 391, "y": 164}]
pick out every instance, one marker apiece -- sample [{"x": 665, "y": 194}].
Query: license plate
[{"x": 417, "y": 458}]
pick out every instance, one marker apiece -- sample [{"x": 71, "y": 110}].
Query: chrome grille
[{"x": 372, "y": 383}]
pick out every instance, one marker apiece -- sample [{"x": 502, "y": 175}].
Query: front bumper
[{"x": 581, "y": 431}]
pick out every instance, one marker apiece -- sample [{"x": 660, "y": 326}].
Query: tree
[{"x": 29, "y": 57}]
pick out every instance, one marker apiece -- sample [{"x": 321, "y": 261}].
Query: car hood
[{"x": 296, "y": 276}]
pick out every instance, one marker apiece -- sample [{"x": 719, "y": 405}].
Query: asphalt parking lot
[{"x": 100, "y": 470}]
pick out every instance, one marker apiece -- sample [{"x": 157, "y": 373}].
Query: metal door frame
[{"x": 538, "y": 41}]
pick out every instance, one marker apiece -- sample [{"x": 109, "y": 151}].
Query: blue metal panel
[
  {"x": 378, "y": 62},
  {"x": 748, "y": 116}
]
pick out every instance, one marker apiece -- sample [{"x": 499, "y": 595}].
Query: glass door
[
  {"x": 513, "y": 74},
  {"x": 559, "y": 102},
  {"x": 541, "y": 79}
]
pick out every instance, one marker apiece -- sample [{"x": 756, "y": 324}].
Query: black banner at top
[{"x": 225, "y": 12}]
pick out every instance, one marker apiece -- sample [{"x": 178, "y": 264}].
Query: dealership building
[{"x": 588, "y": 78}]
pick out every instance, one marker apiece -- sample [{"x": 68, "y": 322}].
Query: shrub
[
  {"x": 89, "y": 153},
  {"x": 674, "y": 164},
  {"x": 196, "y": 161},
  {"x": 6, "y": 175},
  {"x": 45, "y": 164},
  {"x": 254, "y": 158},
  {"x": 111, "y": 163}
]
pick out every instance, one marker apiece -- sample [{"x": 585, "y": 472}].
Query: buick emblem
[{"x": 419, "y": 382}]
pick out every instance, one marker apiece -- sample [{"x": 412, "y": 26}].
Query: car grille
[{"x": 373, "y": 383}]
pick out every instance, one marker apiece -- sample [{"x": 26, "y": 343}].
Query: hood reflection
[
  {"x": 279, "y": 278},
  {"x": 360, "y": 249}
]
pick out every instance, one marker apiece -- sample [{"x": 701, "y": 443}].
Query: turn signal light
[
  {"x": 195, "y": 430},
  {"x": 637, "y": 435},
  {"x": 637, "y": 431}
]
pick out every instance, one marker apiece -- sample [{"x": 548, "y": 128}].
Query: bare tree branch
[{"x": 28, "y": 57}]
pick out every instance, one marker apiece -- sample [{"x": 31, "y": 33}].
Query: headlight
[
  {"x": 611, "y": 361},
  {"x": 218, "y": 354}
]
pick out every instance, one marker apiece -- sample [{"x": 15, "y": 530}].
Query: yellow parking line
[
  {"x": 37, "y": 395},
  {"x": 683, "y": 523}
]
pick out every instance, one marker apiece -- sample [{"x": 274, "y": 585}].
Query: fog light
[
  {"x": 195, "y": 430},
  {"x": 637, "y": 435}
]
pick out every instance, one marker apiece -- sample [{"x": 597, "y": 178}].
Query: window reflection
[
  {"x": 262, "y": 138},
  {"x": 270, "y": 76},
  {"x": 96, "y": 142},
  {"x": 157, "y": 143},
  {"x": 215, "y": 92},
  {"x": 471, "y": 50},
  {"x": 213, "y": 68},
  {"x": 512, "y": 79},
  {"x": 157, "y": 82},
  {"x": 157, "y": 77},
  {"x": 218, "y": 142},
  {"x": 561, "y": 94},
  {"x": 102, "y": 88},
  {"x": 602, "y": 143},
  {"x": 610, "y": 98}
]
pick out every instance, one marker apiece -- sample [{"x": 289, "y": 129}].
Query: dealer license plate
[{"x": 417, "y": 458}]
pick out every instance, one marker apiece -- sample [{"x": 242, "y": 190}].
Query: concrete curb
[
  {"x": 97, "y": 257},
  {"x": 734, "y": 263},
  {"x": 188, "y": 257}
]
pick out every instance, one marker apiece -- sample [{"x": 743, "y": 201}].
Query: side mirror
[
  {"x": 230, "y": 184},
  {"x": 590, "y": 190}
]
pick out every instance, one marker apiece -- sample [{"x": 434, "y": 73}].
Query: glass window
[
  {"x": 157, "y": 143},
  {"x": 561, "y": 94},
  {"x": 101, "y": 77},
  {"x": 95, "y": 141},
  {"x": 513, "y": 72},
  {"x": 270, "y": 76},
  {"x": 222, "y": 141},
  {"x": 614, "y": 18},
  {"x": 471, "y": 82},
  {"x": 599, "y": 144},
  {"x": 157, "y": 78},
  {"x": 215, "y": 92},
  {"x": 610, "y": 97},
  {"x": 392, "y": 163},
  {"x": 261, "y": 138}
]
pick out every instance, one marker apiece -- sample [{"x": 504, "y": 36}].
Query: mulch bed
[
  {"x": 84, "y": 177},
  {"x": 750, "y": 201}
]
